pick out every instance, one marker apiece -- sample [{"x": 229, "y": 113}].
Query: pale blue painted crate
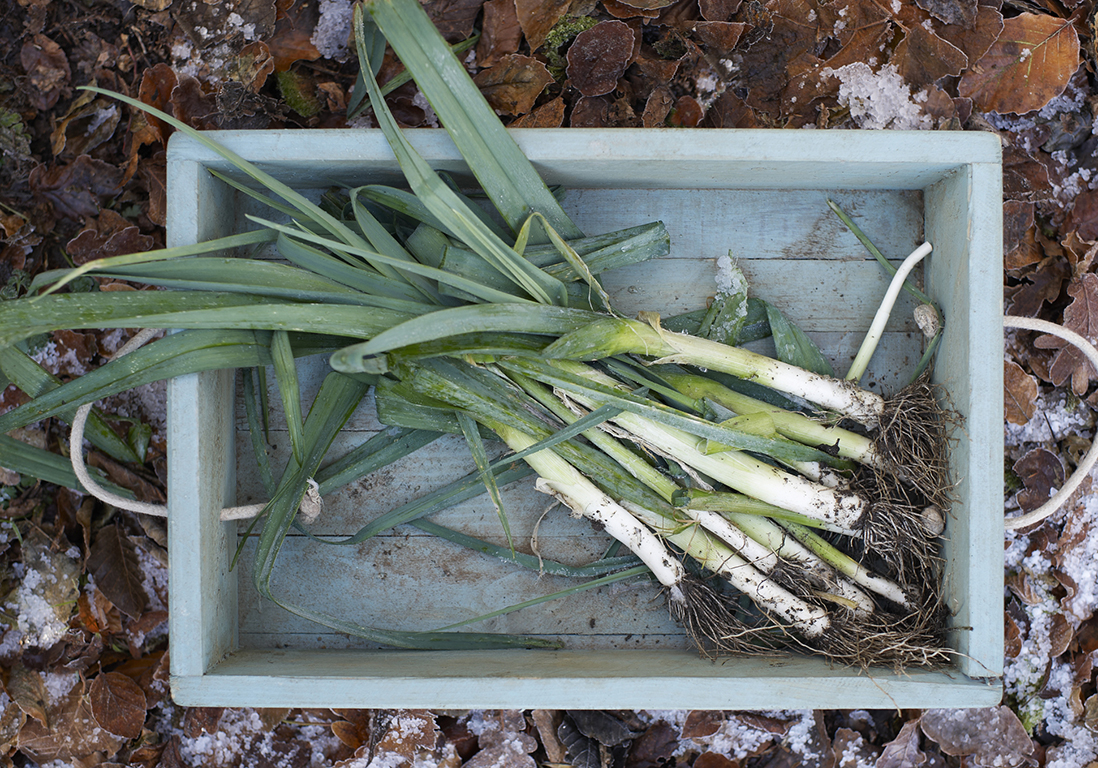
[{"x": 759, "y": 193}]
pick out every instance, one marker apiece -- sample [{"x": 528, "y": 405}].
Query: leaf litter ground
[{"x": 85, "y": 651}]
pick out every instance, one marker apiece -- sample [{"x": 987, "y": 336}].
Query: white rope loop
[
  {"x": 310, "y": 506},
  {"x": 1091, "y": 457}
]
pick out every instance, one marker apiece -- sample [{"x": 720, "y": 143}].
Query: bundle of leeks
[{"x": 461, "y": 320}]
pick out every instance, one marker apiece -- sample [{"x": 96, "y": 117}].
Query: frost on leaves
[{"x": 992, "y": 736}]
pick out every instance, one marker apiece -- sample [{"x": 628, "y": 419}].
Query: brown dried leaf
[
  {"x": 454, "y": 18},
  {"x": 73, "y": 732},
  {"x": 537, "y": 17},
  {"x": 599, "y": 56},
  {"x": 1028, "y": 66},
  {"x": 253, "y": 65},
  {"x": 88, "y": 123},
  {"x": 27, "y": 690},
  {"x": 983, "y": 34},
  {"x": 548, "y": 115},
  {"x": 500, "y": 32},
  {"x": 1080, "y": 316},
  {"x": 654, "y": 747},
  {"x": 688, "y": 113},
  {"x": 192, "y": 105},
  {"x": 718, "y": 10},
  {"x": 719, "y": 37},
  {"x": 144, "y": 489},
  {"x": 154, "y": 172},
  {"x": 648, "y": 5},
  {"x": 923, "y": 58},
  {"x": 1041, "y": 471},
  {"x": 988, "y": 735},
  {"x": 77, "y": 189},
  {"x": 903, "y": 751},
  {"x": 1041, "y": 285},
  {"x": 766, "y": 61},
  {"x": 1019, "y": 234},
  {"x": 547, "y": 721},
  {"x": 700, "y": 723},
  {"x": 620, "y": 10},
  {"x": 657, "y": 107},
  {"x": 714, "y": 760},
  {"x": 730, "y": 111},
  {"x": 408, "y": 731},
  {"x": 107, "y": 235},
  {"x": 117, "y": 571},
  {"x": 1083, "y": 217},
  {"x": 11, "y": 721},
  {"x": 292, "y": 38},
  {"x": 47, "y": 69},
  {"x": 958, "y": 12},
  {"x": 1024, "y": 177},
  {"x": 512, "y": 86},
  {"x": 118, "y": 704},
  {"x": 1020, "y": 393}
]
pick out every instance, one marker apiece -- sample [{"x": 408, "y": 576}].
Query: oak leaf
[
  {"x": 1080, "y": 316},
  {"x": 514, "y": 84},
  {"x": 599, "y": 56},
  {"x": 992, "y": 735},
  {"x": 500, "y": 32},
  {"x": 114, "y": 564},
  {"x": 118, "y": 704},
  {"x": 538, "y": 17},
  {"x": 1028, "y": 66},
  {"x": 903, "y": 751},
  {"x": 1042, "y": 472},
  {"x": 1020, "y": 396}
]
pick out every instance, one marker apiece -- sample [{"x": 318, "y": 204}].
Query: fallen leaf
[
  {"x": 407, "y": 732},
  {"x": 850, "y": 750},
  {"x": 989, "y": 735},
  {"x": 47, "y": 69},
  {"x": 1041, "y": 285},
  {"x": 1020, "y": 398},
  {"x": 958, "y": 12},
  {"x": 192, "y": 105},
  {"x": 1080, "y": 316},
  {"x": 76, "y": 190},
  {"x": 1028, "y": 66},
  {"x": 599, "y": 56},
  {"x": 12, "y": 719},
  {"x": 688, "y": 113},
  {"x": 1019, "y": 234},
  {"x": 200, "y": 720},
  {"x": 88, "y": 123},
  {"x": 514, "y": 84},
  {"x": 1041, "y": 471},
  {"x": 976, "y": 41},
  {"x": 654, "y": 747},
  {"x": 454, "y": 18},
  {"x": 719, "y": 37},
  {"x": 538, "y": 17},
  {"x": 718, "y": 10},
  {"x": 118, "y": 704},
  {"x": 547, "y": 721},
  {"x": 605, "y": 727},
  {"x": 73, "y": 732},
  {"x": 548, "y": 115},
  {"x": 292, "y": 38},
  {"x": 923, "y": 58},
  {"x": 500, "y": 32},
  {"x": 583, "y": 752},
  {"x": 114, "y": 564},
  {"x": 903, "y": 751},
  {"x": 1082, "y": 219},
  {"x": 1024, "y": 177},
  {"x": 47, "y": 596},
  {"x": 700, "y": 723},
  {"x": 782, "y": 32},
  {"x": 504, "y": 743},
  {"x": 107, "y": 235},
  {"x": 27, "y": 690},
  {"x": 648, "y": 5},
  {"x": 153, "y": 5},
  {"x": 730, "y": 111},
  {"x": 154, "y": 172},
  {"x": 657, "y": 107},
  {"x": 619, "y": 10},
  {"x": 714, "y": 760}
]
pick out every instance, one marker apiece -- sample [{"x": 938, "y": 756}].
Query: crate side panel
[
  {"x": 565, "y": 680},
  {"x": 964, "y": 222},
  {"x": 203, "y": 592}
]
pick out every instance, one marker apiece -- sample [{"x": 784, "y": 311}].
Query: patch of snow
[
  {"x": 58, "y": 684},
  {"x": 101, "y": 116},
  {"x": 57, "y": 362},
  {"x": 236, "y": 21},
  {"x": 1053, "y": 422},
  {"x": 333, "y": 31},
  {"x": 878, "y": 99}
]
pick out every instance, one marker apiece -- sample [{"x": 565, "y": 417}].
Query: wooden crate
[{"x": 760, "y": 195}]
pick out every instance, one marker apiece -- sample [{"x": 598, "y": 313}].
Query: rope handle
[
  {"x": 310, "y": 505},
  {"x": 1091, "y": 457}
]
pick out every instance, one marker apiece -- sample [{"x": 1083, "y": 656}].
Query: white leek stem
[
  {"x": 849, "y": 567},
  {"x": 560, "y": 479},
  {"x": 876, "y": 328},
  {"x": 721, "y": 560}
]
